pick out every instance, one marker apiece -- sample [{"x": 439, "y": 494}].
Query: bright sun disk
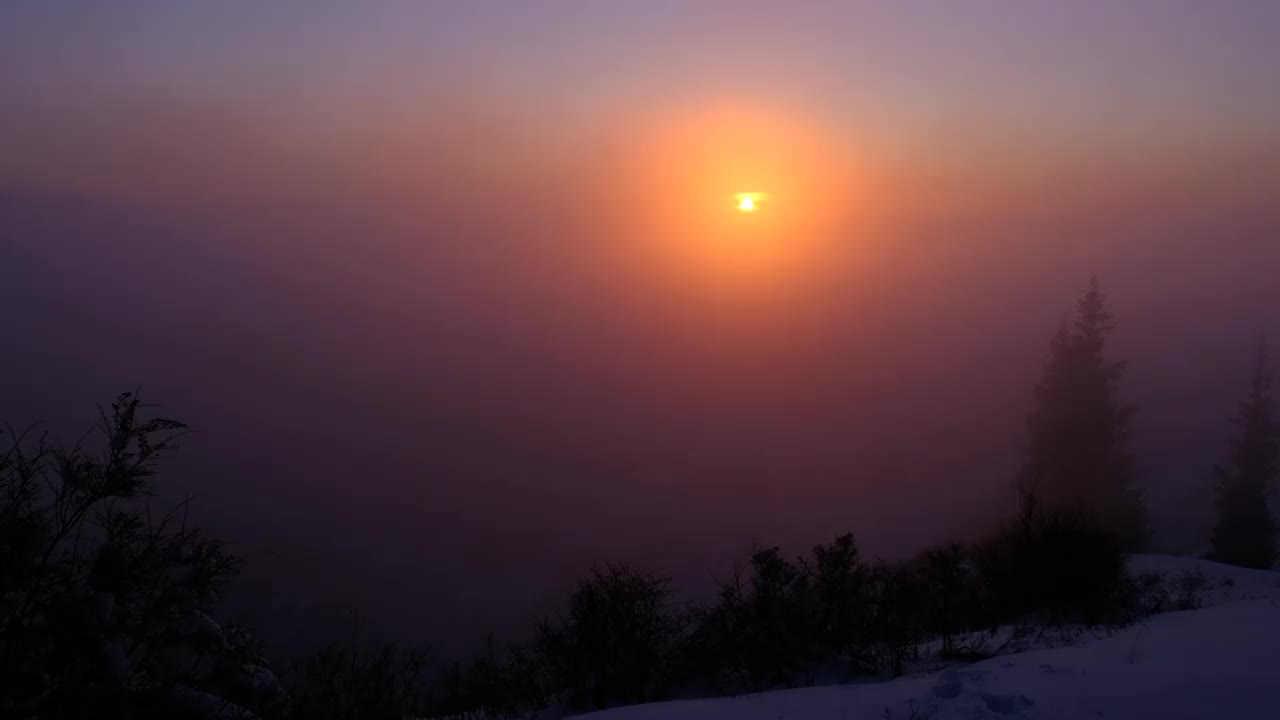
[{"x": 749, "y": 202}]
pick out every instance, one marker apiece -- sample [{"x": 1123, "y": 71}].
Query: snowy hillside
[{"x": 1219, "y": 661}]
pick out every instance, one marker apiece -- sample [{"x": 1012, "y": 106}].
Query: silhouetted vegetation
[
  {"x": 618, "y": 642},
  {"x": 1063, "y": 569},
  {"x": 106, "y": 609},
  {"x": 841, "y": 587},
  {"x": 759, "y": 632},
  {"x": 898, "y": 616},
  {"x": 1077, "y": 456},
  {"x": 958, "y": 600},
  {"x": 1245, "y": 533},
  {"x": 346, "y": 683}
]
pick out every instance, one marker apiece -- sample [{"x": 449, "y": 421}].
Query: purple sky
[{"x": 437, "y": 285}]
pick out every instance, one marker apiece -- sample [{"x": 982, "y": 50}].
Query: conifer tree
[
  {"x": 1245, "y": 533},
  {"x": 1077, "y": 457}
]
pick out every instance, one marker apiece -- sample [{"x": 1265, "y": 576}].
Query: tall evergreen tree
[
  {"x": 1245, "y": 533},
  {"x": 1077, "y": 457}
]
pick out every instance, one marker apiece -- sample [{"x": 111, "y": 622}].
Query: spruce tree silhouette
[
  {"x": 1077, "y": 457},
  {"x": 1245, "y": 533}
]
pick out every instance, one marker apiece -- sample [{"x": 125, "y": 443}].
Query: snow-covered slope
[{"x": 1220, "y": 661}]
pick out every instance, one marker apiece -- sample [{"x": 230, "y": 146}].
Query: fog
[{"x": 443, "y": 355}]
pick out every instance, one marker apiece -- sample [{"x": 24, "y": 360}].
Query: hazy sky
[{"x": 457, "y": 299}]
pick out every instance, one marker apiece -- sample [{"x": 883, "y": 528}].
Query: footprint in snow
[
  {"x": 953, "y": 682},
  {"x": 1007, "y": 704},
  {"x": 948, "y": 689}
]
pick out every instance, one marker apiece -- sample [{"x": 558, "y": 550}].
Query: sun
[{"x": 749, "y": 202}]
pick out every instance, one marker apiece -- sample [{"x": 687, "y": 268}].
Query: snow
[
  {"x": 1219, "y": 661},
  {"x": 197, "y": 624},
  {"x": 261, "y": 683},
  {"x": 197, "y": 703},
  {"x": 1265, "y": 582}
]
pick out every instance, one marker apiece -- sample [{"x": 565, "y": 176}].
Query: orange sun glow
[{"x": 709, "y": 225}]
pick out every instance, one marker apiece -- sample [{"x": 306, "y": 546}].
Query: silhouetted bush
[
  {"x": 618, "y": 642},
  {"x": 506, "y": 689},
  {"x": 781, "y": 615},
  {"x": 714, "y": 655},
  {"x": 344, "y": 683},
  {"x": 1063, "y": 569},
  {"x": 106, "y": 609},
  {"x": 898, "y": 616},
  {"x": 955, "y": 601},
  {"x": 1155, "y": 592},
  {"x": 781, "y": 623},
  {"x": 841, "y": 585},
  {"x": 761, "y": 633},
  {"x": 490, "y": 687}
]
